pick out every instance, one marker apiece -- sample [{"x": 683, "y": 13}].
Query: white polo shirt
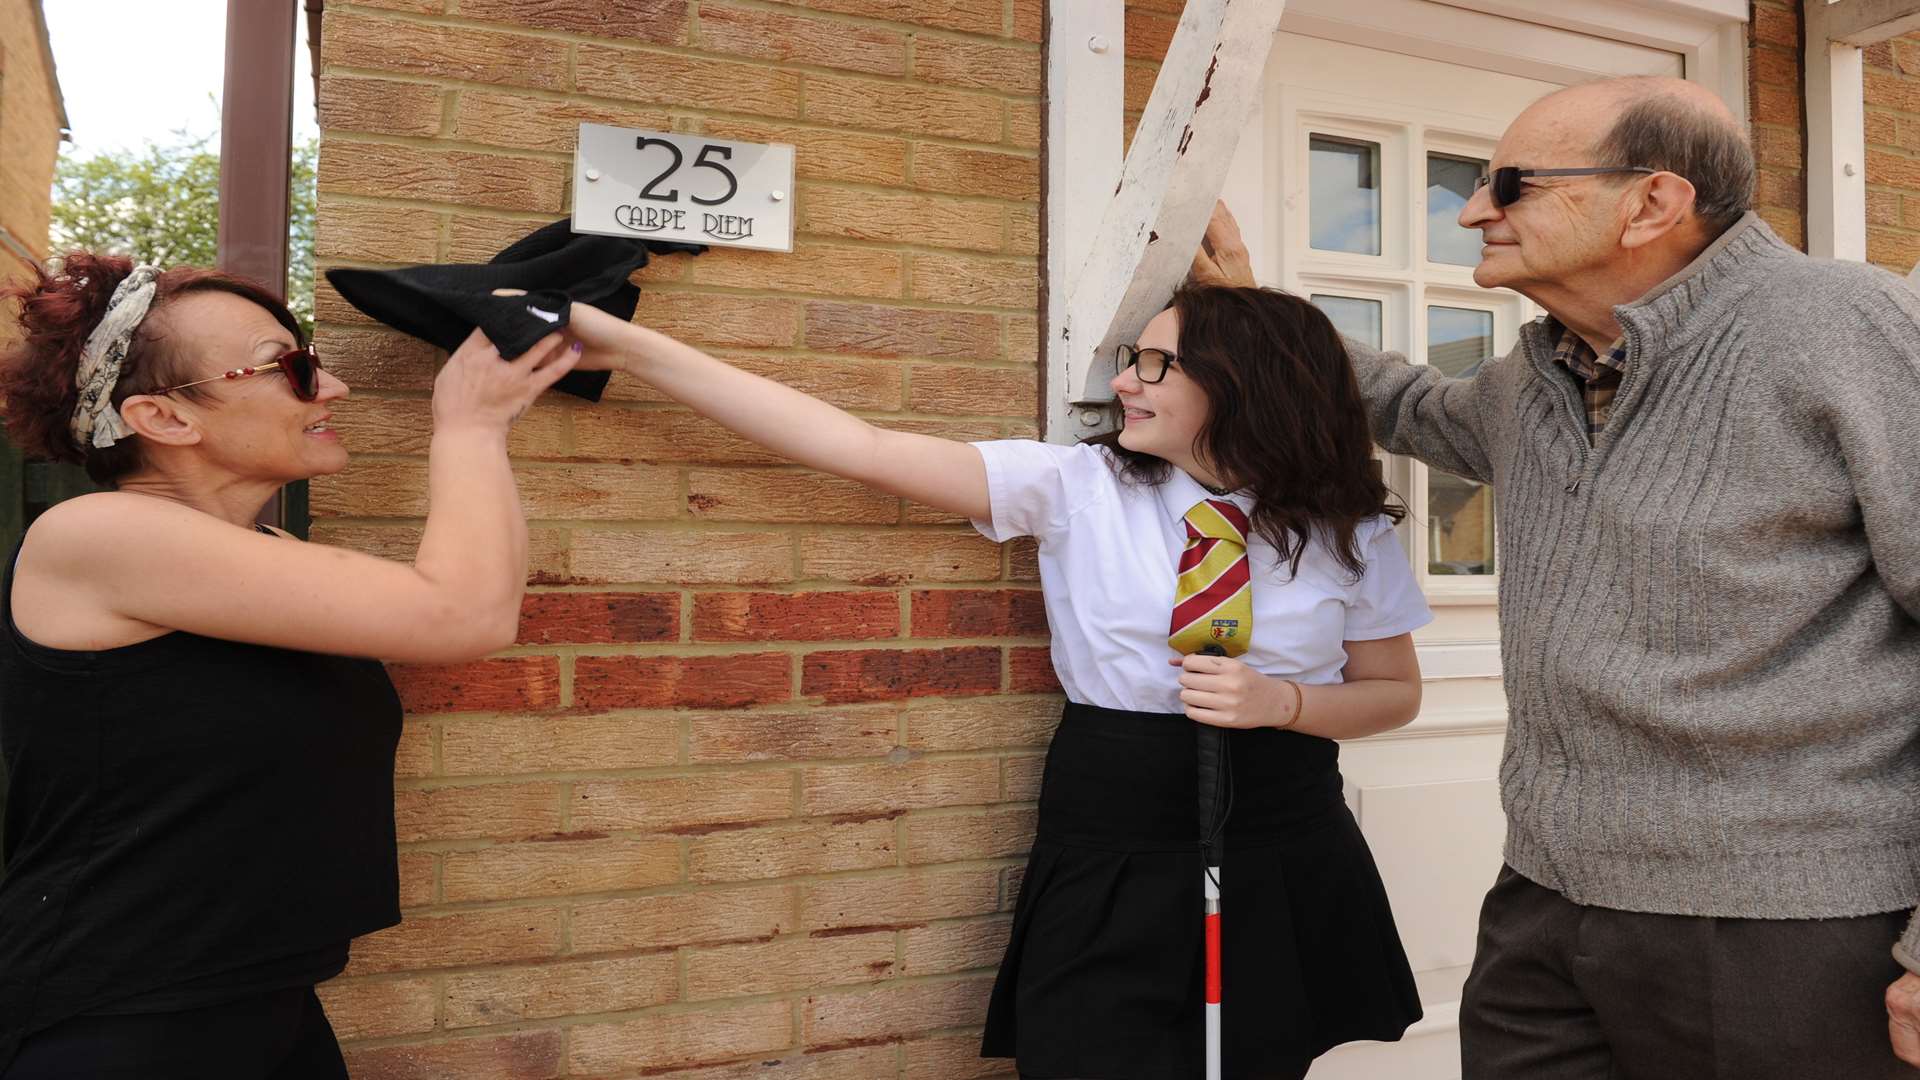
[{"x": 1108, "y": 550}]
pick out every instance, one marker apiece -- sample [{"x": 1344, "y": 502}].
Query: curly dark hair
[
  {"x": 1285, "y": 421},
  {"x": 37, "y": 391}
]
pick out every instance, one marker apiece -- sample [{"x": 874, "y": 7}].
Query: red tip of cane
[{"x": 1213, "y": 959}]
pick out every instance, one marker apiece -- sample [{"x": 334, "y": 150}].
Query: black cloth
[
  {"x": 442, "y": 304},
  {"x": 1104, "y": 968},
  {"x": 1563, "y": 991},
  {"x": 189, "y": 821},
  {"x": 283, "y": 1035}
]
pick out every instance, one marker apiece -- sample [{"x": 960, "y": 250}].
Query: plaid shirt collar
[{"x": 1572, "y": 352}]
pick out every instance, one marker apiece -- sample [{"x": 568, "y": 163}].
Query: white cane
[{"x": 1216, "y": 800}]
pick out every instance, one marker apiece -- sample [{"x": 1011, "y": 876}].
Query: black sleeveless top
[{"x": 188, "y": 821}]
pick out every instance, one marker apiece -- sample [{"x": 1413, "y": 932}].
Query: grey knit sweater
[{"x": 1710, "y": 618}]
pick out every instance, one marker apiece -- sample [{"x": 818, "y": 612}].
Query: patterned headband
[{"x": 96, "y": 422}]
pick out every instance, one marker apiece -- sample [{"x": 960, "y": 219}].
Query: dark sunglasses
[
  {"x": 302, "y": 367},
  {"x": 1504, "y": 184},
  {"x": 1149, "y": 365}
]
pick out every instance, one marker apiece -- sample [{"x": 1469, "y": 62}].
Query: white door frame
[{"x": 1837, "y": 34}]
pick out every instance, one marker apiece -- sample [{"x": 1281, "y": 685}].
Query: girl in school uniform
[{"x": 1237, "y": 507}]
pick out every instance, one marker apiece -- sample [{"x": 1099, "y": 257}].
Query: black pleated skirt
[{"x": 1103, "y": 973}]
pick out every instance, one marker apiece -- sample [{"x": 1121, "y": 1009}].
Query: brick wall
[
  {"x": 29, "y": 132},
  {"x": 1774, "y": 106},
  {"x": 1893, "y": 154},
  {"x": 750, "y": 795}
]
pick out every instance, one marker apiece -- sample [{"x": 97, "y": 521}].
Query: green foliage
[
  {"x": 302, "y": 184},
  {"x": 161, "y": 204}
]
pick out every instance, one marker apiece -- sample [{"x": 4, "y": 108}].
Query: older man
[{"x": 1707, "y": 458}]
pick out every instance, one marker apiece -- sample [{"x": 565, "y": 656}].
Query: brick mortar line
[
  {"x": 802, "y": 185},
  {"x": 737, "y": 648},
  {"x": 731, "y": 589},
  {"x": 676, "y": 1008},
  {"x": 552, "y": 463},
  {"x": 676, "y": 110},
  {"x": 637, "y": 525},
  {"x": 559, "y": 903},
  {"x": 693, "y": 770},
  {"x": 828, "y": 240},
  {"x": 724, "y": 352},
  {"x": 1006, "y": 39},
  {"x": 655, "y": 773},
  {"x": 701, "y": 947},
  {"x": 455, "y": 19},
  {"x": 802, "y": 69},
  {"x": 687, "y": 881},
  {"x": 345, "y": 134},
  {"x": 482, "y": 716}
]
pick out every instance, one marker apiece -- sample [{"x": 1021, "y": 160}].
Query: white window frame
[{"x": 1402, "y": 277}]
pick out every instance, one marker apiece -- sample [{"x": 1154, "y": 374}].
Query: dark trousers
[
  {"x": 1560, "y": 991},
  {"x": 283, "y": 1035}
]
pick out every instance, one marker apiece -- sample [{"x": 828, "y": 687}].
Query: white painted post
[
  {"x": 1174, "y": 171},
  {"x": 1837, "y": 31},
  {"x": 1836, "y": 143},
  {"x": 1086, "y": 73}
]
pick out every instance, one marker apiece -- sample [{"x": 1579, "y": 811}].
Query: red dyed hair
[{"x": 37, "y": 391}]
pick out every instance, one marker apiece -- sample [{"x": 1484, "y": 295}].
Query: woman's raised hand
[{"x": 476, "y": 388}]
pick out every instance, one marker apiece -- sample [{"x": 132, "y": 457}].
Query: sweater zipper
[
  {"x": 1577, "y": 410},
  {"x": 1575, "y": 413}
]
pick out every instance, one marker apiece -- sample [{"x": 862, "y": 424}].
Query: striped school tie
[{"x": 1213, "y": 599}]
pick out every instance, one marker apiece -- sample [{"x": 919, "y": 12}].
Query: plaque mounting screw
[
  {"x": 1089, "y": 417},
  {"x": 1097, "y": 44},
  {"x": 593, "y": 174},
  {"x": 776, "y": 195}
]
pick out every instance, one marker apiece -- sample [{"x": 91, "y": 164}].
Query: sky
[{"x": 134, "y": 71}]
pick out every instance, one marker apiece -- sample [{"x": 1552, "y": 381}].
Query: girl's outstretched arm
[{"x": 940, "y": 473}]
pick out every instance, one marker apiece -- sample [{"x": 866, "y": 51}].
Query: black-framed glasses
[
  {"x": 302, "y": 368},
  {"x": 1149, "y": 365},
  {"x": 1504, "y": 186}
]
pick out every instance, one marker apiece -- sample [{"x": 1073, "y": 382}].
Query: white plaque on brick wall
[{"x": 660, "y": 185}]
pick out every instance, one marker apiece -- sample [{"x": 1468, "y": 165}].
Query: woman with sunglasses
[
  {"x": 1237, "y": 508},
  {"x": 198, "y": 736}
]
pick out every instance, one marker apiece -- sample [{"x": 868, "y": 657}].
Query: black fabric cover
[{"x": 442, "y": 304}]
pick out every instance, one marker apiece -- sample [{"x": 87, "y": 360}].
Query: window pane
[
  {"x": 1450, "y": 183},
  {"x": 1343, "y": 205},
  {"x": 1459, "y": 511},
  {"x": 1458, "y": 339},
  {"x": 1356, "y": 318}
]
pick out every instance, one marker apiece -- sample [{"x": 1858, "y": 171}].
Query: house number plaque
[{"x": 669, "y": 186}]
